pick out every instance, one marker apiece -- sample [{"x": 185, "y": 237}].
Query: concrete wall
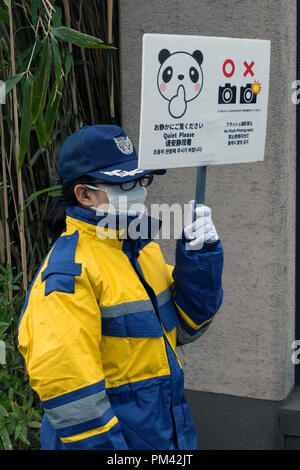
[{"x": 246, "y": 352}]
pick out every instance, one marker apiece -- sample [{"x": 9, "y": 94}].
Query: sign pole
[
  {"x": 200, "y": 185},
  {"x": 200, "y": 189}
]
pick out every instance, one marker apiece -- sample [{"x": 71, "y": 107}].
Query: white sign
[{"x": 204, "y": 101}]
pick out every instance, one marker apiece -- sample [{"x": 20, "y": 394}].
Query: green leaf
[
  {"x": 10, "y": 394},
  {"x": 42, "y": 191},
  {"x": 23, "y": 434},
  {"x": 57, "y": 60},
  {"x": 18, "y": 431},
  {"x": 23, "y": 58},
  {"x": 35, "y": 4},
  {"x": 25, "y": 120},
  {"x": 4, "y": 16},
  {"x": 56, "y": 193},
  {"x": 29, "y": 403},
  {"x": 17, "y": 412},
  {"x": 33, "y": 196},
  {"x": 62, "y": 33},
  {"x": 5, "y": 439},
  {"x": 7, "y": 3},
  {"x": 69, "y": 61},
  {"x": 52, "y": 109},
  {"x": 3, "y": 327},
  {"x": 57, "y": 17},
  {"x": 37, "y": 415},
  {"x": 12, "y": 82},
  {"x": 3, "y": 411},
  {"x": 40, "y": 85},
  {"x": 41, "y": 129},
  {"x": 34, "y": 424}
]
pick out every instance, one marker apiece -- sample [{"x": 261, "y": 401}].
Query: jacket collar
[{"x": 124, "y": 230}]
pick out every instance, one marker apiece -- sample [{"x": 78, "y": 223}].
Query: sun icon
[{"x": 256, "y": 88}]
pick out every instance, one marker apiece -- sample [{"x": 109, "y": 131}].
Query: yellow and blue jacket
[{"x": 99, "y": 330}]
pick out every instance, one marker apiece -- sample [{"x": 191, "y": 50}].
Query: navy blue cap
[{"x": 102, "y": 151}]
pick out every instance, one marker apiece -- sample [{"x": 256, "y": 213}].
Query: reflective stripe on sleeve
[
  {"x": 136, "y": 306},
  {"x": 186, "y": 338},
  {"x": 79, "y": 411},
  {"x": 187, "y": 330}
]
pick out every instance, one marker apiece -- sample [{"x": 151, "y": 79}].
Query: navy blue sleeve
[{"x": 198, "y": 292}]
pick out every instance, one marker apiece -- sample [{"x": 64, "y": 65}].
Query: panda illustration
[{"x": 179, "y": 79}]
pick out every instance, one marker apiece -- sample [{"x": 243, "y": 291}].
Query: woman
[{"x": 104, "y": 314}]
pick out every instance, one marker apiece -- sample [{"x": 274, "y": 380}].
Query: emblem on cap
[
  {"x": 121, "y": 173},
  {"x": 124, "y": 144}
]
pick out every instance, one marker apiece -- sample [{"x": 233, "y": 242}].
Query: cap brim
[{"x": 122, "y": 173}]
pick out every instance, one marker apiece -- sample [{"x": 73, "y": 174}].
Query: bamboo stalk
[
  {"x": 17, "y": 151},
  {"x": 73, "y": 82},
  {"x": 9, "y": 164},
  {"x": 86, "y": 74},
  {"x": 110, "y": 5},
  {"x": 27, "y": 229},
  {"x": 5, "y": 198},
  {"x": 94, "y": 102},
  {"x": 112, "y": 97},
  {"x": 2, "y": 244},
  {"x": 111, "y": 64},
  {"x": 5, "y": 235},
  {"x": 38, "y": 215}
]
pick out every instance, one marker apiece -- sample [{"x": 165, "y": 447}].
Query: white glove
[{"x": 202, "y": 229}]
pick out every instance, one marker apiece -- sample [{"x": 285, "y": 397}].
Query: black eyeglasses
[{"x": 144, "y": 181}]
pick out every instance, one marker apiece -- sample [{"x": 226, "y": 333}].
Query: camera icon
[
  {"x": 247, "y": 96},
  {"x": 227, "y": 94}
]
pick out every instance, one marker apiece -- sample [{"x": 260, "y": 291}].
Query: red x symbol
[{"x": 249, "y": 69}]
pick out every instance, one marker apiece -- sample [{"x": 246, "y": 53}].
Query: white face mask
[{"x": 130, "y": 202}]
